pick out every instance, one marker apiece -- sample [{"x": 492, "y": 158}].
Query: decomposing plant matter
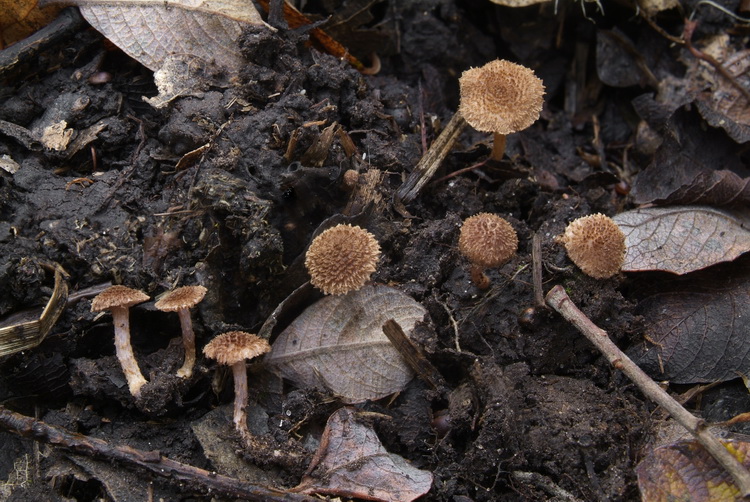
[{"x": 118, "y": 300}]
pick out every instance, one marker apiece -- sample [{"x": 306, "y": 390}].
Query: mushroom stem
[
  {"x": 239, "y": 372},
  {"x": 188, "y": 340},
  {"x": 124, "y": 351},
  {"x": 479, "y": 278},
  {"x": 498, "y": 147}
]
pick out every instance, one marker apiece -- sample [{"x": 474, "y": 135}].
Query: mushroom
[
  {"x": 342, "y": 259},
  {"x": 118, "y": 299},
  {"x": 502, "y": 98},
  {"x": 595, "y": 244},
  {"x": 486, "y": 240},
  {"x": 181, "y": 300},
  {"x": 232, "y": 349}
]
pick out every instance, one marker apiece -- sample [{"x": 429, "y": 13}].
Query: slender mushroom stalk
[
  {"x": 181, "y": 300},
  {"x": 232, "y": 349},
  {"x": 118, "y": 300},
  {"x": 502, "y": 98}
]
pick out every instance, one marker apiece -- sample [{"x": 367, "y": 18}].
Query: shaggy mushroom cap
[
  {"x": 596, "y": 245},
  {"x": 500, "y": 97},
  {"x": 235, "y": 346},
  {"x": 342, "y": 259},
  {"x": 487, "y": 240},
  {"x": 181, "y": 298},
  {"x": 117, "y": 296}
]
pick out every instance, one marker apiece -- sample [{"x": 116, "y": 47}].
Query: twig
[
  {"x": 536, "y": 269},
  {"x": 559, "y": 300},
  {"x": 151, "y": 461},
  {"x": 413, "y": 355},
  {"x": 429, "y": 163}
]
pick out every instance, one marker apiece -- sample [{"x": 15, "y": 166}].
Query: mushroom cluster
[
  {"x": 487, "y": 241},
  {"x": 595, "y": 244},
  {"x": 342, "y": 259},
  {"x": 502, "y": 98}
]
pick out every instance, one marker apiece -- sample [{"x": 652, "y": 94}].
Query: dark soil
[{"x": 527, "y": 393}]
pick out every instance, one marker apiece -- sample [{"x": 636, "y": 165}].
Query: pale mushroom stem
[
  {"x": 498, "y": 147},
  {"x": 478, "y": 277},
  {"x": 188, "y": 340},
  {"x": 124, "y": 351},
  {"x": 239, "y": 372}
]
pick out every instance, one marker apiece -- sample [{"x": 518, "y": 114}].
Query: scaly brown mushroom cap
[
  {"x": 596, "y": 244},
  {"x": 342, "y": 259},
  {"x": 487, "y": 240},
  {"x": 117, "y": 296},
  {"x": 235, "y": 346},
  {"x": 500, "y": 97},
  {"x": 181, "y": 298}
]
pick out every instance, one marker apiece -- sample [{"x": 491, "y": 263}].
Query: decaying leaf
[
  {"x": 338, "y": 344},
  {"x": 686, "y": 471},
  {"x": 713, "y": 188},
  {"x": 681, "y": 239},
  {"x": 21, "y": 18},
  {"x": 696, "y": 336},
  {"x": 352, "y": 462},
  {"x": 150, "y": 31}
]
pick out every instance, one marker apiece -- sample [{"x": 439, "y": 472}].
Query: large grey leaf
[
  {"x": 681, "y": 239},
  {"x": 338, "y": 344},
  {"x": 151, "y": 31}
]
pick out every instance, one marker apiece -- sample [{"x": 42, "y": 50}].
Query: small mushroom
[
  {"x": 181, "y": 300},
  {"x": 232, "y": 349},
  {"x": 486, "y": 240},
  {"x": 502, "y": 98},
  {"x": 595, "y": 244},
  {"x": 342, "y": 259},
  {"x": 118, "y": 299}
]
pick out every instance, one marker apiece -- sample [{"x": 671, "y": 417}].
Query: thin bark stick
[
  {"x": 429, "y": 163},
  {"x": 559, "y": 300},
  {"x": 151, "y": 461},
  {"x": 413, "y": 355}
]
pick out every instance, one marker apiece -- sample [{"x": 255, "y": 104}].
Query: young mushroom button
[
  {"x": 596, "y": 245},
  {"x": 487, "y": 241},
  {"x": 232, "y": 349},
  {"x": 342, "y": 259},
  {"x": 118, "y": 299},
  {"x": 502, "y": 98},
  {"x": 181, "y": 300}
]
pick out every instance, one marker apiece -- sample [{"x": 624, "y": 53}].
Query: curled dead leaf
[{"x": 337, "y": 344}]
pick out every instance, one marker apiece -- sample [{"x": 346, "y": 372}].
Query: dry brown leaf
[
  {"x": 681, "y": 239},
  {"x": 21, "y": 18},
  {"x": 338, "y": 344},
  {"x": 352, "y": 462},
  {"x": 151, "y": 31},
  {"x": 685, "y": 471}
]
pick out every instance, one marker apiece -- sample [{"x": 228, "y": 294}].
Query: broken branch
[{"x": 559, "y": 300}]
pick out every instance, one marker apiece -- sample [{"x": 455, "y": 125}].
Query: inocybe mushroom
[
  {"x": 595, "y": 244},
  {"x": 342, "y": 259},
  {"x": 487, "y": 241},
  {"x": 232, "y": 349},
  {"x": 118, "y": 299},
  {"x": 181, "y": 300},
  {"x": 502, "y": 98}
]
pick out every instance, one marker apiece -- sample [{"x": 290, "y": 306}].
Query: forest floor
[{"x": 526, "y": 392}]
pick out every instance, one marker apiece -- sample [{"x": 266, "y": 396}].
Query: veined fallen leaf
[
  {"x": 352, "y": 462},
  {"x": 338, "y": 344},
  {"x": 681, "y": 239},
  {"x": 151, "y": 31},
  {"x": 685, "y": 471}
]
